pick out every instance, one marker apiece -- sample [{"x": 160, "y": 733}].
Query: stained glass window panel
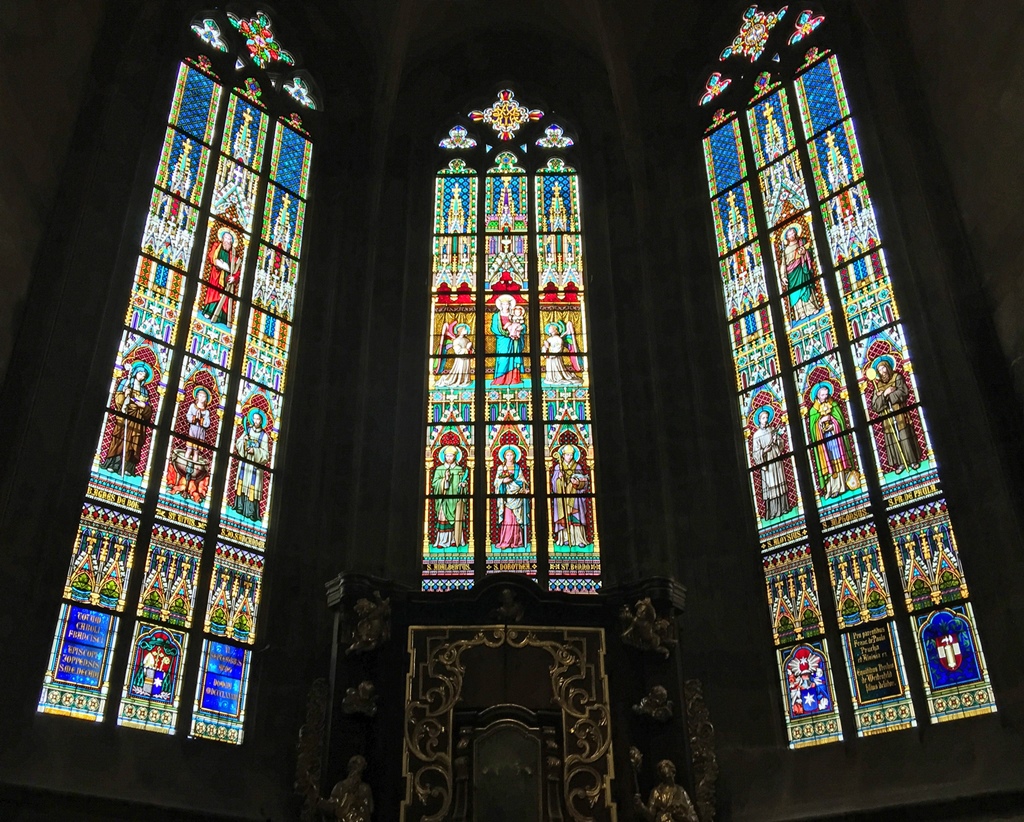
[
  {"x": 724, "y": 158},
  {"x": 454, "y": 269},
  {"x": 185, "y": 486},
  {"x": 291, "y": 160},
  {"x": 765, "y": 423},
  {"x": 754, "y": 349},
  {"x": 102, "y": 558},
  {"x": 508, "y": 334},
  {"x": 867, "y": 295},
  {"x": 266, "y": 350},
  {"x": 811, "y": 714},
  {"x": 212, "y": 332},
  {"x": 560, "y": 263},
  {"x": 903, "y": 451},
  {"x": 455, "y": 200},
  {"x": 878, "y": 681},
  {"x": 245, "y": 514},
  {"x": 795, "y": 256},
  {"x": 170, "y": 230},
  {"x": 274, "y": 288},
  {"x": 219, "y": 709},
  {"x": 558, "y": 202},
  {"x": 778, "y": 505},
  {"x": 506, "y": 199},
  {"x": 813, "y": 333},
  {"x": 170, "y": 576},
  {"x": 182, "y": 169},
  {"x": 928, "y": 557},
  {"x": 821, "y": 96},
  {"x": 149, "y": 699},
  {"x": 505, "y": 265},
  {"x": 510, "y": 520},
  {"x": 283, "y": 219},
  {"x": 743, "y": 280},
  {"x": 140, "y": 378},
  {"x": 733, "y": 219},
  {"x": 835, "y": 159},
  {"x": 245, "y": 132},
  {"x": 234, "y": 594},
  {"x": 200, "y": 405},
  {"x": 195, "y": 103},
  {"x": 956, "y": 679},
  {"x": 858, "y": 576},
  {"x": 121, "y": 467},
  {"x": 792, "y": 595},
  {"x": 234, "y": 195},
  {"x": 154, "y": 305},
  {"x": 508, "y": 372},
  {"x": 850, "y": 224},
  {"x": 783, "y": 190},
  {"x": 771, "y": 128},
  {"x": 77, "y": 680}
]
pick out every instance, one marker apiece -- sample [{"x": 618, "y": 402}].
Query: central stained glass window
[{"x": 509, "y": 473}]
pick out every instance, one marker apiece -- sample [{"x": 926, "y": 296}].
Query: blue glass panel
[{"x": 723, "y": 156}]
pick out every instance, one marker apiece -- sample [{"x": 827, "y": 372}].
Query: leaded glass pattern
[
  {"x": 510, "y": 460},
  {"x": 196, "y": 401},
  {"x": 844, "y": 382}
]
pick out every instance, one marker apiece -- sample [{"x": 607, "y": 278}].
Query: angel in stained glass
[
  {"x": 455, "y": 346},
  {"x": 561, "y": 340}
]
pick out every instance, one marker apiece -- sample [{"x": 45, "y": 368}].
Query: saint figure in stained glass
[
  {"x": 833, "y": 459},
  {"x": 568, "y": 480},
  {"x": 510, "y": 482},
  {"x": 132, "y": 399},
  {"x": 253, "y": 444},
  {"x": 767, "y": 445},
  {"x": 225, "y": 262},
  {"x": 799, "y": 271},
  {"x": 891, "y": 394},
  {"x": 450, "y": 478},
  {"x": 559, "y": 346},
  {"x": 508, "y": 324}
]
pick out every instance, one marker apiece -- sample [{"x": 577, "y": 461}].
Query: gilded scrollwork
[
  {"x": 578, "y": 687},
  {"x": 702, "y": 749}
]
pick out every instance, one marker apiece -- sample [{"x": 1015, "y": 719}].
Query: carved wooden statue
[
  {"x": 644, "y": 629},
  {"x": 351, "y": 799},
  {"x": 374, "y": 626},
  {"x": 668, "y": 801}
]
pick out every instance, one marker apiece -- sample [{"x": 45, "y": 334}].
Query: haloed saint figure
[
  {"x": 131, "y": 398},
  {"x": 891, "y": 395},
  {"x": 450, "y": 478},
  {"x": 252, "y": 445}
]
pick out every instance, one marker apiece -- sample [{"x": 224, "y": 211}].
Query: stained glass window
[
  {"x": 830, "y": 407},
  {"x": 196, "y": 401},
  {"x": 510, "y": 461}
]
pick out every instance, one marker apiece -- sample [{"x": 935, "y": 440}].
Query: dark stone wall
[{"x": 673, "y": 496}]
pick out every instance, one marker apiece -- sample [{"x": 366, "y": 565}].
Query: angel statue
[
  {"x": 561, "y": 340},
  {"x": 351, "y": 799},
  {"x": 455, "y": 344}
]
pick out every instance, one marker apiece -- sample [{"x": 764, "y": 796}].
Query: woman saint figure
[
  {"x": 513, "y": 512},
  {"x": 766, "y": 445},
  {"x": 509, "y": 332}
]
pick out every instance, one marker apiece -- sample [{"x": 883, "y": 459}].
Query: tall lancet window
[
  {"x": 163, "y": 588},
  {"x": 861, "y": 564},
  {"x": 510, "y": 477}
]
